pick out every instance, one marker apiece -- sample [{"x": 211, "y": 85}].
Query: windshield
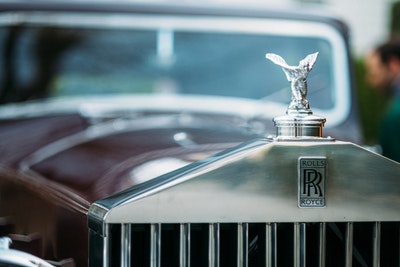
[{"x": 44, "y": 60}]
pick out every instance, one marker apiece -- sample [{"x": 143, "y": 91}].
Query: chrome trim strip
[
  {"x": 349, "y": 244},
  {"x": 376, "y": 239},
  {"x": 270, "y": 245},
  {"x": 213, "y": 245},
  {"x": 126, "y": 245},
  {"x": 322, "y": 244},
  {"x": 155, "y": 245},
  {"x": 299, "y": 246},
  {"x": 184, "y": 244}
]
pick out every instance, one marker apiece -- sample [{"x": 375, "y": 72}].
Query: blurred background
[{"x": 371, "y": 23}]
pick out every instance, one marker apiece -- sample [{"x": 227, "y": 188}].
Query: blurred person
[{"x": 383, "y": 73}]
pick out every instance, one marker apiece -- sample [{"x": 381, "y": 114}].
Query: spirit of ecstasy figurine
[{"x": 297, "y": 75}]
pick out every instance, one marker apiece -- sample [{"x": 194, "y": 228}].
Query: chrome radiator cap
[{"x": 299, "y": 127}]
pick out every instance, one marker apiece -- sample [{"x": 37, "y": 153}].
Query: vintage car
[{"x": 159, "y": 134}]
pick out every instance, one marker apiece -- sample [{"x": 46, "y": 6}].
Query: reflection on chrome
[{"x": 155, "y": 168}]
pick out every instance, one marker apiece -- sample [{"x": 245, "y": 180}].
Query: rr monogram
[
  {"x": 311, "y": 184},
  {"x": 312, "y": 180}
]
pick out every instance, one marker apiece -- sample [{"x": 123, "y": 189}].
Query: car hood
[{"x": 94, "y": 157}]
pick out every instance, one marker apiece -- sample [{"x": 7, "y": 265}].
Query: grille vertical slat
[
  {"x": 349, "y": 244},
  {"x": 106, "y": 246},
  {"x": 155, "y": 245},
  {"x": 376, "y": 244},
  {"x": 299, "y": 245},
  {"x": 184, "y": 245},
  {"x": 322, "y": 245},
  {"x": 126, "y": 245},
  {"x": 213, "y": 245},
  {"x": 242, "y": 244},
  {"x": 270, "y": 241}
]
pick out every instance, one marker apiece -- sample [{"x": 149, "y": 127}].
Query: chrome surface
[
  {"x": 106, "y": 245},
  {"x": 213, "y": 245},
  {"x": 126, "y": 245},
  {"x": 349, "y": 244},
  {"x": 299, "y": 120},
  {"x": 12, "y": 257},
  {"x": 291, "y": 127},
  {"x": 184, "y": 244},
  {"x": 297, "y": 76},
  {"x": 360, "y": 186},
  {"x": 322, "y": 245},
  {"x": 299, "y": 245},
  {"x": 376, "y": 244},
  {"x": 270, "y": 245},
  {"x": 5, "y": 242},
  {"x": 242, "y": 244},
  {"x": 155, "y": 230}
]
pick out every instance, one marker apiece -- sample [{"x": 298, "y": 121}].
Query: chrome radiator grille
[
  {"x": 253, "y": 192},
  {"x": 252, "y": 244}
]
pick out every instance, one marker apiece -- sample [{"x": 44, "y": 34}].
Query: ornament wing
[
  {"x": 309, "y": 60},
  {"x": 278, "y": 60}
]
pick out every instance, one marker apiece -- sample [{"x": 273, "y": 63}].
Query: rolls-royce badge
[{"x": 311, "y": 182}]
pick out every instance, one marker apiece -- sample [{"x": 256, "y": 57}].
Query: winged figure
[{"x": 297, "y": 76}]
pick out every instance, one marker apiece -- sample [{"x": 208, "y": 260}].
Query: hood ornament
[
  {"x": 297, "y": 76},
  {"x": 299, "y": 121}
]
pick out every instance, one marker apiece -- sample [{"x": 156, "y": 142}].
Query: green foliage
[
  {"x": 395, "y": 20},
  {"x": 370, "y": 103}
]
